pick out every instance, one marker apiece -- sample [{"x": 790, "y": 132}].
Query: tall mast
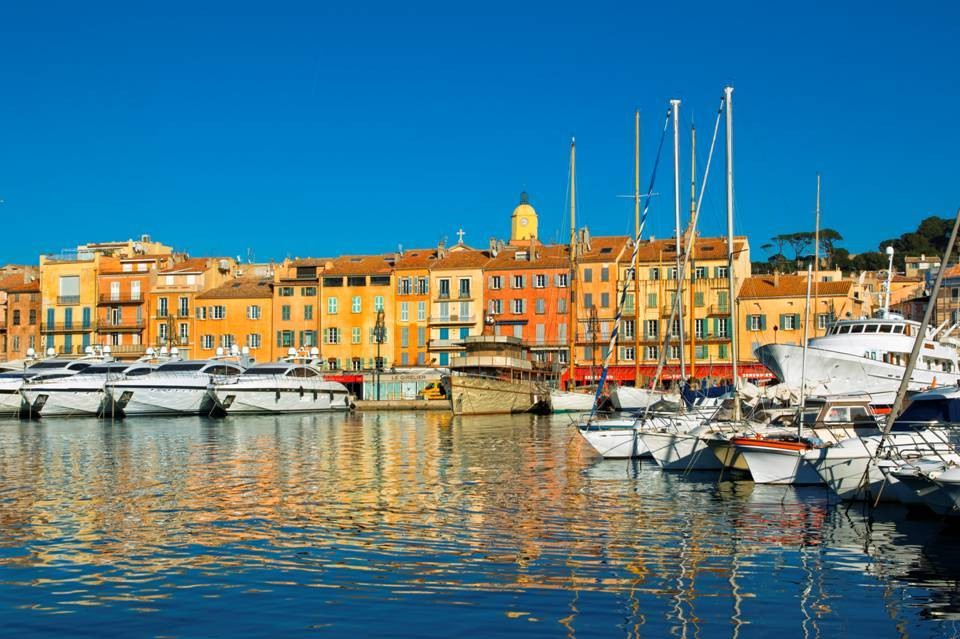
[
  {"x": 675, "y": 113},
  {"x": 816, "y": 260},
  {"x": 690, "y": 242},
  {"x": 636, "y": 237},
  {"x": 803, "y": 357},
  {"x": 731, "y": 280},
  {"x": 572, "y": 322}
]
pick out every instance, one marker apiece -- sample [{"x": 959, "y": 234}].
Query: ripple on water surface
[{"x": 427, "y": 525}]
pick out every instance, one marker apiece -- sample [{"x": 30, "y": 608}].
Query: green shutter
[
  {"x": 279, "y": 338},
  {"x": 746, "y": 323},
  {"x": 782, "y": 323},
  {"x": 763, "y": 322},
  {"x": 796, "y": 320}
]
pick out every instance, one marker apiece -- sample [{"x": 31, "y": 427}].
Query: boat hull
[
  {"x": 680, "y": 451},
  {"x": 615, "y": 442},
  {"x": 633, "y": 398},
  {"x": 570, "y": 402},
  {"x": 777, "y": 463},
  {"x": 233, "y": 400},
  {"x": 162, "y": 400},
  {"x": 48, "y": 402},
  {"x": 471, "y": 395},
  {"x": 11, "y": 402}
]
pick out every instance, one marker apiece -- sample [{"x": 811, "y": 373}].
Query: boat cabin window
[
  {"x": 919, "y": 414},
  {"x": 843, "y": 329},
  {"x": 856, "y": 328},
  {"x": 223, "y": 369},
  {"x": 15, "y": 375},
  {"x": 898, "y": 328},
  {"x": 861, "y": 414},
  {"x": 104, "y": 369},
  {"x": 47, "y": 365},
  {"x": 266, "y": 370},
  {"x": 886, "y": 328},
  {"x": 181, "y": 367},
  {"x": 79, "y": 366},
  {"x": 139, "y": 371},
  {"x": 871, "y": 328},
  {"x": 302, "y": 371},
  {"x": 837, "y": 414}
]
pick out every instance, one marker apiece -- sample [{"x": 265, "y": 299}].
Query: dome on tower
[
  {"x": 524, "y": 221},
  {"x": 524, "y": 208}
]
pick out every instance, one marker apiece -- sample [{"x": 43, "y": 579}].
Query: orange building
[
  {"x": 123, "y": 285},
  {"x": 296, "y": 304},
  {"x": 238, "y": 312},
  {"x": 173, "y": 319},
  {"x": 456, "y": 300},
  {"x": 412, "y": 332},
  {"x": 596, "y": 288},
  {"x": 526, "y": 288},
  {"x": 19, "y": 315}
]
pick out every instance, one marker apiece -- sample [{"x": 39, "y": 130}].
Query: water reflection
[{"x": 428, "y": 525}]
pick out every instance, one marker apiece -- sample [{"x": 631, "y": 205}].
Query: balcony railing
[
  {"x": 438, "y": 344},
  {"x": 68, "y": 300},
  {"x": 126, "y": 298},
  {"x": 65, "y": 327},
  {"x": 108, "y": 325},
  {"x": 453, "y": 319},
  {"x": 718, "y": 309}
]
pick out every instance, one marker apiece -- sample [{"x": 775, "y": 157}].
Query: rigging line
[
  {"x": 633, "y": 268},
  {"x": 661, "y": 363}
]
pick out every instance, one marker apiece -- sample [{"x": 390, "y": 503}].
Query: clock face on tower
[{"x": 523, "y": 221}]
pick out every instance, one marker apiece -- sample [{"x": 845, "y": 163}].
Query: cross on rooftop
[{"x": 460, "y": 235}]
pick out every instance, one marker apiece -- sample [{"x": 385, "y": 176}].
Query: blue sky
[{"x": 318, "y": 129}]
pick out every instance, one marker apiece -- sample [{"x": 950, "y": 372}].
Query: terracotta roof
[
  {"x": 361, "y": 265},
  {"x": 603, "y": 249},
  {"x": 311, "y": 261},
  {"x": 462, "y": 258},
  {"x": 917, "y": 279},
  {"x": 763, "y": 286},
  {"x": 417, "y": 258},
  {"x": 546, "y": 256},
  {"x": 15, "y": 284},
  {"x": 192, "y": 265},
  {"x": 240, "y": 288},
  {"x": 952, "y": 271}
]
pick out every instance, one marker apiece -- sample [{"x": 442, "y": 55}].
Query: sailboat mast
[
  {"x": 675, "y": 113},
  {"x": 636, "y": 237},
  {"x": 731, "y": 279},
  {"x": 572, "y": 322},
  {"x": 803, "y": 357},
  {"x": 816, "y": 257},
  {"x": 690, "y": 242}
]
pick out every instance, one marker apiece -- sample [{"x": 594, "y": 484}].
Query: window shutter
[
  {"x": 782, "y": 323},
  {"x": 279, "y": 338},
  {"x": 796, "y": 320},
  {"x": 747, "y": 323},
  {"x": 763, "y": 322}
]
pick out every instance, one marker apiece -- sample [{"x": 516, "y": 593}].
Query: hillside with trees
[{"x": 788, "y": 252}]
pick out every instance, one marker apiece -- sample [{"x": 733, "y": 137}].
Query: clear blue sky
[{"x": 316, "y": 128}]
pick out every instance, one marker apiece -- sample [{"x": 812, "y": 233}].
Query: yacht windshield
[
  {"x": 267, "y": 370},
  {"x": 103, "y": 370},
  {"x": 922, "y": 412},
  {"x": 181, "y": 367},
  {"x": 47, "y": 365}
]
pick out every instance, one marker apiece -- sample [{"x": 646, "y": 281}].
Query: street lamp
[{"x": 379, "y": 334}]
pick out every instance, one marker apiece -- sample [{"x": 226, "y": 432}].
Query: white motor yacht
[
  {"x": 12, "y": 402},
  {"x": 867, "y": 357},
  {"x": 80, "y": 394},
  {"x": 638, "y": 398},
  {"x": 181, "y": 387},
  {"x": 562, "y": 401},
  {"x": 293, "y": 385}
]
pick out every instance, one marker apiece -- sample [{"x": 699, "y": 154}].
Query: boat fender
[
  {"x": 277, "y": 397},
  {"x": 301, "y": 392}
]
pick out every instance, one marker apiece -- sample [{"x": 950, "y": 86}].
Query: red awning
[
  {"x": 344, "y": 379},
  {"x": 625, "y": 372}
]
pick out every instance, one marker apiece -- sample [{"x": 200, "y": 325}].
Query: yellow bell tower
[{"x": 524, "y": 221}]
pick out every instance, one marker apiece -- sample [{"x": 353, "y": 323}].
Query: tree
[{"x": 829, "y": 239}]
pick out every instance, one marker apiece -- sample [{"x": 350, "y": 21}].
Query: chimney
[
  {"x": 776, "y": 279},
  {"x": 494, "y": 249},
  {"x": 442, "y": 249}
]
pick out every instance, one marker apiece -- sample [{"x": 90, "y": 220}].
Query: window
[
  {"x": 698, "y": 299},
  {"x": 253, "y": 312},
  {"x": 651, "y": 300},
  {"x": 723, "y": 301},
  {"x": 698, "y": 326},
  {"x": 563, "y": 280},
  {"x": 655, "y": 274},
  {"x": 253, "y": 340},
  {"x": 444, "y": 286},
  {"x": 421, "y": 311},
  {"x": 518, "y": 306},
  {"x": 653, "y": 352},
  {"x": 627, "y": 331},
  {"x": 722, "y": 327},
  {"x": 332, "y": 305},
  {"x": 540, "y": 281},
  {"x": 653, "y": 328},
  {"x": 540, "y": 306},
  {"x": 700, "y": 273},
  {"x": 218, "y": 312},
  {"x": 701, "y": 351},
  {"x": 541, "y": 333},
  {"x": 721, "y": 272},
  {"x": 69, "y": 289},
  {"x": 496, "y": 307},
  {"x": 378, "y": 303},
  {"x": 672, "y": 273},
  {"x": 628, "y": 306},
  {"x": 184, "y": 333},
  {"x": 16, "y": 343},
  {"x": 285, "y": 339},
  {"x": 226, "y": 341},
  {"x": 722, "y": 351},
  {"x": 331, "y": 336},
  {"x": 823, "y": 319},
  {"x": 404, "y": 337},
  {"x": 372, "y": 334},
  {"x": 587, "y": 275},
  {"x": 517, "y": 281},
  {"x": 308, "y": 291},
  {"x": 604, "y": 300},
  {"x": 127, "y": 267},
  {"x": 356, "y": 304},
  {"x": 285, "y": 313},
  {"x": 16, "y": 318},
  {"x": 404, "y": 312},
  {"x": 789, "y": 322},
  {"x": 756, "y": 322},
  {"x": 379, "y": 280},
  {"x": 206, "y": 342},
  {"x": 356, "y": 335},
  {"x": 423, "y": 286},
  {"x": 333, "y": 281},
  {"x": 183, "y": 307},
  {"x": 162, "y": 309},
  {"x": 626, "y": 353},
  {"x": 201, "y": 312},
  {"x": 135, "y": 290},
  {"x": 357, "y": 280},
  {"x": 676, "y": 327},
  {"x": 518, "y": 331},
  {"x": 562, "y": 357},
  {"x": 308, "y": 338},
  {"x": 33, "y": 317},
  {"x": 496, "y": 282},
  {"x": 421, "y": 336},
  {"x": 674, "y": 352},
  {"x": 464, "y": 311},
  {"x": 285, "y": 291},
  {"x": 404, "y": 286},
  {"x": 561, "y": 305},
  {"x": 588, "y": 300},
  {"x": 605, "y": 274},
  {"x": 464, "y": 287},
  {"x": 308, "y": 311}
]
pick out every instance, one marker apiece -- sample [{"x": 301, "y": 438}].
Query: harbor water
[{"x": 425, "y": 525}]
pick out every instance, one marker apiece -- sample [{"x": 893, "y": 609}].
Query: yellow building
[
  {"x": 771, "y": 309},
  {"x": 412, "y": 275},
  {"x": 238, "y": 312},
  {"x": 456, "y": 299},
  {"x": 174, "y": 318},
  {"x": 354, "y": 291},
  {"x": 296, "y": 304},
  {"x": 523, "y": 222}
]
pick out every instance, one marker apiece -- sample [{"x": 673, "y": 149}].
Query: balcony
[
  {"x": 162, "y": 315},
  {"x": 454, "y": 319},
  {"x": 718, "y": 309},
  {"x": 109, "y": 299},
  {"x": 445, "y": 345},
  {"x": 125, "y": 351},
  {"x": 68, "y": 300},
  {"x": 64, "y": 327},
  {"x": 121, "y": 325}
]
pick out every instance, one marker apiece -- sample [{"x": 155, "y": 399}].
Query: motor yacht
[
  {"x": 292, "y": 385},
  {"x": 50, "y": 368},
  {"x": 179, "y": 387},
  {"x": 80, "y": 394}
]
